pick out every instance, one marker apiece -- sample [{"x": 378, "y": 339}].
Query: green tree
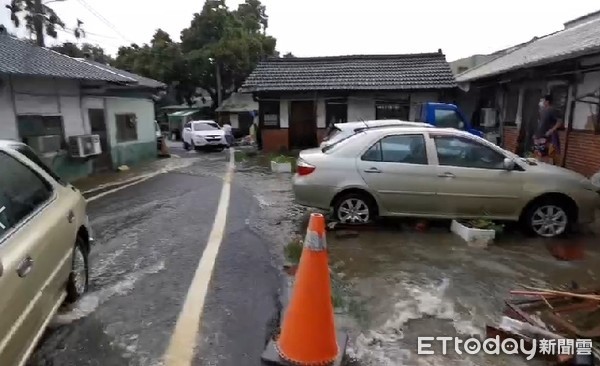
[
  {"x": 39, "y": 19},
  {"x": 95, "y": 53},
  {"x": 222, "y": 47},
  {"x": 162, "y": 60}
]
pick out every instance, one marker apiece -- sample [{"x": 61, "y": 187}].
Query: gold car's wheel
[
  {"x": 353, "y": 209},
  {"x": 77, "y": 284},
  {"x": 549, "y": 220}
]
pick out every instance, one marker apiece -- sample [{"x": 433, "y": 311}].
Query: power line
[{"x": 104, "y": 20}]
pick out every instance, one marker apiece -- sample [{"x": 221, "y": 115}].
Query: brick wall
[
  {"x": 583, "y": 154},
  {"x": 275, "y": 140},
  {"x": 510, "y": 138}
]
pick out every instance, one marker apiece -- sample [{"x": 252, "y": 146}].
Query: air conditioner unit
[
  {"x": 45, "y": 144},
  {"x": 84, "y": 146},
  {"x": 488, "y": 117}
]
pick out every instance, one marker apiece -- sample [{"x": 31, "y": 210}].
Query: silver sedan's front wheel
[
  {"x": 353, "y": 209},
  {"x": 549, "y": 220}
]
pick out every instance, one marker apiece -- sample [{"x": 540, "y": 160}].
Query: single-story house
[
  {"x": 48, "y": 99},
  {"x": 565, "y": 64},
  {"x": 239, "y": 110},
  {"x": 300, "y": 97}
]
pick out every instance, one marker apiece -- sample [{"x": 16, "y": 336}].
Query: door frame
[{"x": 291, "y": 145}]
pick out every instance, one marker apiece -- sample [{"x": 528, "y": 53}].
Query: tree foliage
[
  {"x": 95, "y": 53},
  {"x": 218, "y": 41},
  {"x": 25, "y": 10}
]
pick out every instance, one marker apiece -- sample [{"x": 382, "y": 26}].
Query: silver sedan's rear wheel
[
  {"x": 354, "y": 209},
  {"x": 549, "y": 220}
]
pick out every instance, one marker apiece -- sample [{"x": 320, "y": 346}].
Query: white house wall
[
  {"x": 144, "y": 111},
  {"x": 8, "y": 123}
]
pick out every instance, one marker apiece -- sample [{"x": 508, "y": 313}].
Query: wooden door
[
  {"x": 529, "y": 121},
  {"x": 303, "y": 125},
  {"x": 98, "y": 126}
]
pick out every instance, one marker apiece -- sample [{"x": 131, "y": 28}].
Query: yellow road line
[{"x": 183, "y": 340}]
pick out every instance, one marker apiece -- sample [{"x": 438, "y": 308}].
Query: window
[
  {"x": 462, "y": 152},
  {"x": 269, "y": 114},
  {"x": 336, "y": 111},
  {"x": 21, "y": 192},
  {"x": 512, "y": 105},
  {"x": 448, "y": 119},
  {"x": 206, "y": 126},
  {"x": 126, "y": 127},
  {"x": 407, "y": 149},
  {"x": 384, "y": 110},
  {"x": 31, "y": 126},
  {"x": 31, "y": 155}
]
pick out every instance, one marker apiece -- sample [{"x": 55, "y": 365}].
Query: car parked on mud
[
  {"x": 203, "y": 135},
  {"x": 440, "y": 173},
  {"x": 45, "y": 240}
]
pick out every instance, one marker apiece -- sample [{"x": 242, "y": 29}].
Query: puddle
[
  {"x": 90, "y": 302},
  {"x": 414, "y": 284}
]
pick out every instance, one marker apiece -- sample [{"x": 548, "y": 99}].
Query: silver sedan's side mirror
[{"x": 509, "y": 164}]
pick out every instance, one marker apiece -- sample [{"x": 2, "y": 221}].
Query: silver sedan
[{"x": 440, "y": 173}]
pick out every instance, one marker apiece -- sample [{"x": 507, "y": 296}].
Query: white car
[
  {"x": 203, "y": 135},
  {"x": 340, "y": 131}
]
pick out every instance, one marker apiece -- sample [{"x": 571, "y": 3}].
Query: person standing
[
  {"x": 228, "y": 133},
  {"x": 546, "y": 140}
]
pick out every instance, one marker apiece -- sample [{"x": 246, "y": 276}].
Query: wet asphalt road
[{"x": 150, "y": 238}]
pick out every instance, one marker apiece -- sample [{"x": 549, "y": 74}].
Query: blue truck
[{"x": 445, "y": 116}]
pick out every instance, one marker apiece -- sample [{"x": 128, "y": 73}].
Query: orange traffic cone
[{"x": 308, "y": 335}]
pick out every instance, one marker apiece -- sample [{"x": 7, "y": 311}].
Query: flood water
[{"x": 405, "y": 284}]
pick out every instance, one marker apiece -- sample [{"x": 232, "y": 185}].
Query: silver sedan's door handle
[
  {"x": 372, "y": 170},
  {"x": 446, "y": 175},
  {"x": 25, "y": 267}
]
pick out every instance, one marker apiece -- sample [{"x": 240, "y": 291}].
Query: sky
[{"x": 335, "y": 27}]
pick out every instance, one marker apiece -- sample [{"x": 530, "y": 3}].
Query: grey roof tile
[
  {"x": 360, "y": 72},
  {"x": 141, "y": 80},
  {"x": 574, "y": 41},
  {"x": 22, "y": 58}
]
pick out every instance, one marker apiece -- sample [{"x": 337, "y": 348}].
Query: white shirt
[{"x": 227, "y": 129}]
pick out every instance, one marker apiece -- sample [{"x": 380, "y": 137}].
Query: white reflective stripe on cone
[{"x": 314, "y": 242}]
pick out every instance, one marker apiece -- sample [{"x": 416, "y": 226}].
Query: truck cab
[{"x": 444, "y": 115}]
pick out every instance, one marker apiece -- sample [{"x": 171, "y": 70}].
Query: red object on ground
[
  {"x": 567, "y": 251},
  {"x": 422, "y": 226}
]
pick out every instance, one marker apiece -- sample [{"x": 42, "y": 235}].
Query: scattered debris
[
  {"x": 552, "y": 314},
  {"x": 123, "y": 168}
]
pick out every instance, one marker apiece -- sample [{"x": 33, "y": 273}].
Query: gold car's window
[
  {"x": 407, "y": 149},
  {"x": 461, "y": 152},
  {"x": 22, "y": 191}
]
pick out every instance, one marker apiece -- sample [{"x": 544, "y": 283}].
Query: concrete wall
[
  {"x": 131, "y": 152},
  {"x": 8, "y": 122}
]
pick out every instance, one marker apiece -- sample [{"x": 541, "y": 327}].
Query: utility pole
[
  {"x": 38, "y": 22},
  {"x": 219, "y": 87}
]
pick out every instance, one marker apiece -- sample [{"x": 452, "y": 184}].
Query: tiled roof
[
  {"x": 22, "y": 58},
  {"x": 576, "y": 40},
  {"x": 361, "y": 72},
  {"x": 141, "y": 80},
  {"x": 238, "y": 102}
]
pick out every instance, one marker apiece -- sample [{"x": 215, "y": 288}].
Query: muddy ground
[{"x": 398, "y": 283}]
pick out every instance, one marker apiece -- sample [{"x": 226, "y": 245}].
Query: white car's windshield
[{"x": 206, "y": 126}]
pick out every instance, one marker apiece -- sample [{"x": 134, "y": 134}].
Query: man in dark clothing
[{"x": 546, "y": 139}]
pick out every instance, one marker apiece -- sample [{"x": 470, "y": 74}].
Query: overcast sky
[{"x": 338, "y": 27}]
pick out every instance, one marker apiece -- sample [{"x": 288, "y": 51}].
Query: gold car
[
  {"x": 45, "y": 239},
  {"x": 440, "y": 173}
]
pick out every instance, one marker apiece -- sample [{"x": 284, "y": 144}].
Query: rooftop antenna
[{"x": 364, "y": 122}]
